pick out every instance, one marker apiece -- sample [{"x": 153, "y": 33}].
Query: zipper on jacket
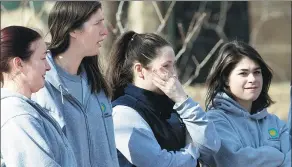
[
  {"x": 259, "y": 133},
  {"x": 105, "y": 115},
  {"x": 86, "y": 122},
  {"x": 52, "y": 120},
  {"x": 55, "y": 124}
]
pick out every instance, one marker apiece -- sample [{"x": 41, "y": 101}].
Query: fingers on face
[
  {"x": 158, "y": 80},
  {"x": 163, "y": 73},
  {"x": 163, "y": 78},
  {"x": 168, "y": 74}
]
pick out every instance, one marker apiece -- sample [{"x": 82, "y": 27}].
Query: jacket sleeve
[
  {"x": 201, "y": 130},
  {"x": 285, "y": 141},
  {"x": 289, "y": 121},
  {"x": 233, "y": 153},
  {"x": 287, "y": 160},
  {"x": 24, "y": 143},
  {"x": 136, "y": 141},
  {"x": 284, "y": 136},
  {"x": 290, "y": 116}
]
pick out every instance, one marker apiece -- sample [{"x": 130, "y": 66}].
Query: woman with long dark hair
[{"x": 76, "y": 94}]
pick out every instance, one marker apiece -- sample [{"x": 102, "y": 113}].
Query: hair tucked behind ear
[
  {"x": 119, "y": 72},
  {"x": 15, "y": 42}
]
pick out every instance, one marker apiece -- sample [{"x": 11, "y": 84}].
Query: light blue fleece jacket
[
  {"x": 137, "y": 143},
  {"x": 88, "y": 127},
  {"x": 29, "y": 136},
  {"x": 290, "y": 115},
  {"x": 258, "y": 140}
]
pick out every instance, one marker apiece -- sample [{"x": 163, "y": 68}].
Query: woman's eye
[{"x": 258, "y": 72}]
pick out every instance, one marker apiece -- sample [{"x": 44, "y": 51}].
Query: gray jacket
[
  {"x": 29, "y": 136},
  {"x": 88, "y": 127},
  {"x": 257, "y": 140}
]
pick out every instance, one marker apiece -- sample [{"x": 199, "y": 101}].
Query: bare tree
[
  {"x": 113, "y": 31},
  {"x": 151, "y": 16}
]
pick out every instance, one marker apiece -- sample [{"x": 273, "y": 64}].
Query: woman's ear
[
  {"x": 75, "y": 33},
  {"x": 227, "y": 83},
  {"x": 138, "y": 70},
  {"x": 17, "y": 64}
]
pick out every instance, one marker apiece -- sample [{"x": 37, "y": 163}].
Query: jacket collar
[{"x": 159, "y": 104}]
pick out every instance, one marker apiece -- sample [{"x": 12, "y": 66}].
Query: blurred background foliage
[{"x": 196, "y": 30}]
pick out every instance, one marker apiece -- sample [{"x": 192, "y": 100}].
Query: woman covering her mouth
[{"x": 152, "y": 113}]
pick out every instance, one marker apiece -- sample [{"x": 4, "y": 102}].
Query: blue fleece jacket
[
  {"x": 29, "y": 136},
  {"x": 290, "y": 115},
  {"x": 88, "y": 126},
  {"x": 258, "y": 140}
]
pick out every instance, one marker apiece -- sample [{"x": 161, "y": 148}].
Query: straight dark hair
[
  {"x": 229, "y": 55},
  {"x": 65, "y": 17},
  {"x": 127, "y": 49},
  {"x": 15, "y": 42}
]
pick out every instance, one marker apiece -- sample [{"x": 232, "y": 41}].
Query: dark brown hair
[
  {"x": 127, "y": 49},
  {"x": 15, "y": 42},
  {"x": 65, "y": 17},
  {"x": 229, "y": 55}
]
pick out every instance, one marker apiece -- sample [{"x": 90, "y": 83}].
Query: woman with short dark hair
[{"x": 237, "y": 102}]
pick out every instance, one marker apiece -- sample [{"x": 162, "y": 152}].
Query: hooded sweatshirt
[
  {"x": 257, "y": 140},
  {"x": 139, "y": 144},
  {"x": 88, "y": 126},
  {"x": 29, "y": 136}
]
